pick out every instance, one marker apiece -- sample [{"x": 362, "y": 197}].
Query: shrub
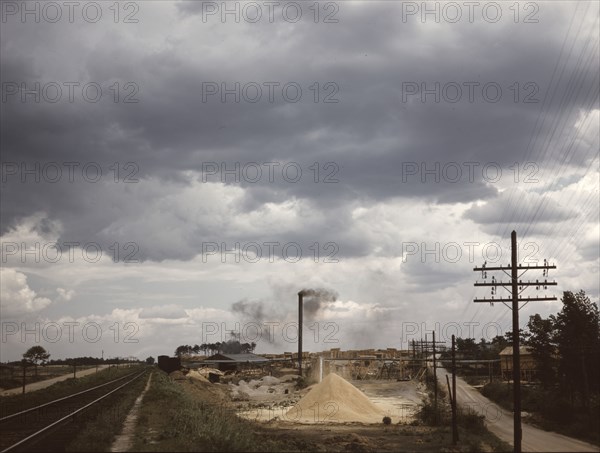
[{"x": 471, "y": 421}]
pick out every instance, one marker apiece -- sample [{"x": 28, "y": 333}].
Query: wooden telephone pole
[
  {"x": 517, "y": 287},
  {"x": 454, "y": 414},
  {"x": 435, "y": 382},
  {"x": 300, "y": 314}
]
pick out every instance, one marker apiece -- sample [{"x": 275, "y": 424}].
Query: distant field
[
  {"x": 14, "y": 403},
  {"x": 11, "y": 378}
]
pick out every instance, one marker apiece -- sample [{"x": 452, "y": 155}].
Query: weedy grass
[{"x": 173, "y": 420}]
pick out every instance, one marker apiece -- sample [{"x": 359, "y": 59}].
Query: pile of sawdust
[
  {"x": 270, "y": 380},
  {"x": 259, "y": 389},
  {"x": 335, "y": 400},
  {"x": 206, "y": 371},
  {"x": 194, "y": 374},
  {"x": 289, "y": 378}
]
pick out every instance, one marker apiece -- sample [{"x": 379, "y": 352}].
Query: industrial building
[
  {"x": 235, "y": 362},
  {"x": 528, "y": 363}
]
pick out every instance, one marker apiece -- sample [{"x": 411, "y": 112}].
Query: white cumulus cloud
[{"x": 16, "y": 296}]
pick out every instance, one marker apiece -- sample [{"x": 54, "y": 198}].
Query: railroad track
[{"x": 28, "y": 428}]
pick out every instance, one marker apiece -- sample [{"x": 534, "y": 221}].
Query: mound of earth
[{"x": 335, "y": 400}]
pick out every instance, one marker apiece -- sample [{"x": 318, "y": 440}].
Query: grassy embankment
[{"x": 172, "y": 419}]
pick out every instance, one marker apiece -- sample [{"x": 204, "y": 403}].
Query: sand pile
[
  {"x": 259, "y": 389},
  {"x": 335, "y": 400}
]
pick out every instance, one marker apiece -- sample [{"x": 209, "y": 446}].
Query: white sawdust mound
[
  {"x": 194, "y": 374},
  {"x": 335, "y": 400}
]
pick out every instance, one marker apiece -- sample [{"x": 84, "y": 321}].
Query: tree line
[
  {"x": 565, "y": 347},
  {"x": 37, "y": 355},
  {"x": 226, "y": 347}
]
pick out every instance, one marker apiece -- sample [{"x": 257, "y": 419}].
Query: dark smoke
[
  {"x": 254, "y": 311},
  {"x": 249, "y": 310},
  {"x": 313, "y": 300}
]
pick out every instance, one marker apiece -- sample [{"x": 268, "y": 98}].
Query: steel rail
[
  {"x": 63, "y": 398},
  {"x": 62, "y": 419}
]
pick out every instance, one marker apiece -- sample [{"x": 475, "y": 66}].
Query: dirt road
[
  {"x": 500, "y": 422},
  {"x": 48, "y": 382}
]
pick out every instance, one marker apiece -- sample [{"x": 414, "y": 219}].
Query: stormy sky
[{"x": 174, "y": 170}]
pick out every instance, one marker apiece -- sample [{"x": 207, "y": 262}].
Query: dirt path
[
  {"x": 124, "y": 441},
  {"x": 48, "y": 382},
  {"x": 500, "y": 422}
]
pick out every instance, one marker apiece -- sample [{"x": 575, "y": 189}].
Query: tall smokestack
[{"x": 300, "y": 310}]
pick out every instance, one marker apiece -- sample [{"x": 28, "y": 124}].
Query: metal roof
[
  {"x": 243, "y": 358},
  {"x": 509, "y": 350}
]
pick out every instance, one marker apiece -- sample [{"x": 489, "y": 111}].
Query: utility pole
[
  {"x": 300, "y": 312},
  {"x": 454, "y": 421},
  {"x": 451, "y": 396},
  {"x": 24, "y": 373},
  {"x": 435, "y": 382},
  {"x": 449, "y": 391},
  {"x": 517, "y": 287}
]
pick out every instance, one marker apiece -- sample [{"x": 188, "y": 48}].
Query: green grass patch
[{"x": 173, "y": 420}]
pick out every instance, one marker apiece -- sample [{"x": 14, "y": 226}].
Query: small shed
[
  {"x": 235, "y": 362},
  {"x": 528, "y": 363}
]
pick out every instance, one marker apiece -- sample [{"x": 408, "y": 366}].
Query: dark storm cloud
[
  {"x": 589, "y": 250},
  {"x": 372, "y": 134},
  {"x": 495, "y": 212},
  {"x": 432, "y": 272}
]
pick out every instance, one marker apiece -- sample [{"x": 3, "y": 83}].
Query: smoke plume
[
  {"x": 314, "y": 300},
  {"x": 253, "y": 311}
]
